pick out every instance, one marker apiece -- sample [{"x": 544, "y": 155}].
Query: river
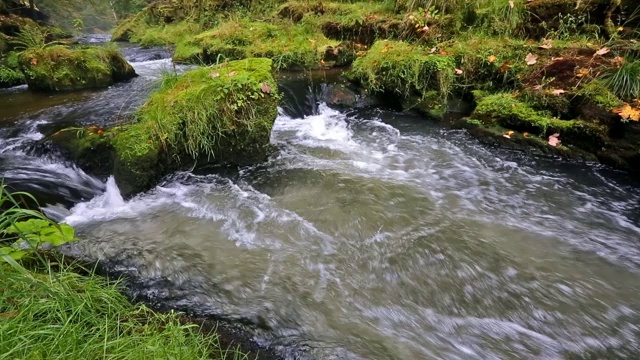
[{"x": 369, "y": 234}]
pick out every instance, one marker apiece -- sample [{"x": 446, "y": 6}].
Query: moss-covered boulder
[
  {"x": 406, "y": 72},
  {"x": 288, "y": 45},
  {"x": 212, "y": 115},
  {"x": 59, "y": 68}
]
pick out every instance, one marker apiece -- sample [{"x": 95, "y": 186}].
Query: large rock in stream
[
  {"x": 59, "y": 68},
  {"x": 212, "y": 115}
]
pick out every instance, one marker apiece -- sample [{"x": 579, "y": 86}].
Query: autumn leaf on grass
[
  {"x": 582, "y": 72},
  {"x": 602, "y": 51},
  {"x": 546, "y": 44},
  {"x": 525, "y": 134},
  {"x": 553, "y": 139},
  {"x": 531, "y": 59},
  {"x": 233, "y": 73},
  {"x": 459, "y": 72},
  {"x": 617, "y": 61},
  {"x": 505, "y": 67},
  {"x": 265, "y": 88},
  {"x": 557, "y": 92},
  {"x": 628, "y": 112},
  {"x": 508, "y": 134},
  {"x": 511, "y": 4},
  {"x": 214, "y": 74},
  {"x": 34, "y": 61},
  {"x": 492, "y": 58}
]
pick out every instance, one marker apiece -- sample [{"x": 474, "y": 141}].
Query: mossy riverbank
[{"x": 561, "y": 68}]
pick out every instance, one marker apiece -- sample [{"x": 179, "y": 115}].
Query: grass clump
[
  {"x": 166, "y": 34},
  {"x": 404, "y": 69},
  {"x": 288, "y": 45},
  {"x": 59, "y": 68},
  {"x": 625, "y": 81}
]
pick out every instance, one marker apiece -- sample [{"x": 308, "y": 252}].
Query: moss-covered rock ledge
[
  {"x": 59, "y": 68},
  {"x": 212, "y": 115}
]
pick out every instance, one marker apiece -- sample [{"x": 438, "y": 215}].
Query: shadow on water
[{"x": 370, "y": 234}]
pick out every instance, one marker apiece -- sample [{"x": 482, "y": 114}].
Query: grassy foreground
[
  {"x": 54, "y": 311},
  {"x": 59, "y": 314}
]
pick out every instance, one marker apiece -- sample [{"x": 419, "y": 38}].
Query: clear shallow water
[{"x": 374, "y": 235}]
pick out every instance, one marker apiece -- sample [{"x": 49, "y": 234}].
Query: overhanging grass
[{"x": 58, "y": 314}]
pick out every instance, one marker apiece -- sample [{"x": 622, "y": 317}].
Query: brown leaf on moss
[
  {"x": 265, "y": 88},
  {"x": 628, "y": 112},
  {"x": 34, "y": 61}
]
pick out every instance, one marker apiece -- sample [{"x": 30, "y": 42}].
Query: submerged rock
[
  {"x": 212, "y": 115},
  {"x": 59, "y": 68}
]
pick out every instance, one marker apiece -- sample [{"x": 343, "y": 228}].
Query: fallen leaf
[
  {"x": 620, "y": 28},
  {"x": 492, "y": 58},
  {"x": 525, "y": 134},
  {"x": 459, "y": 72},
  {"x": 510, "y": 132},
  {"x": 546, "y": 44},
  {"x": 6, "y": 316},
  {"x": 233, "y": 73},
  {"x": 506, "y": 136},
  {"x": 34, "y": 61},
  {"x": 537, "y": 87},
  {"x": 618, "y": 61},
  {"x": 531, "y": 59},
  {"x": 385, "y": 50},
  {"x": 557, "y": 92},
  {"x": 602, "y": 51},
  {"x": 265, "y": 88},
  {"x": 443, "y": 52},
  {"x": 511, "y": 4},
  {"x": 505, "y": 66},
  {"x": 556, "y": 58},
  {"x": 425, "y": 28},
  {"x": 100, "y": 132},
  {"x": 553, "y": 139},
  {"x": 214, "y": 75},
  {"x": 433, "y": 49},
  {"x": 582, "y": 72},
  {"x": 628, "y": 112}
]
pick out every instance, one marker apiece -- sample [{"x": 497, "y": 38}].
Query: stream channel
[{"x": 369, "y": 234}]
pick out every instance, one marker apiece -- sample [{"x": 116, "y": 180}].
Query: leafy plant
[
  {"x": 32, "y": 37},
  {"x": 24, "y": 231}
]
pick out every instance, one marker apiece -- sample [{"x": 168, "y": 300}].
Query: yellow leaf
[
  {"x": 510, "y": 132},
  {"x": 492, "y": 58},
  {"x": 628, "y": 112},
  {"x": 582, "y": 72}
]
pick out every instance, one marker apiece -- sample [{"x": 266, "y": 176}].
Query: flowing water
[{"x": 369, "y": 234}]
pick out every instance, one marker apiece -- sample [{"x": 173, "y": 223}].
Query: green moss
[
  {"x": 59, "y": 68},
  {"x": 508, "y": 112},
  {"x": 168, "y": 34},
  {"x": 598, "y": 93},
  {"x": 489, "y": 63},
  {"x": 288, "y": 45},
  {"x": 218, "y": 114},
  {"x": 404, "y": 69}
]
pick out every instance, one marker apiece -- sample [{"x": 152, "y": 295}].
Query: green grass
[
  {"x": 404, "y": 69},
  {"x": 625, "y": 81},
  {"x": 55, "y": 313}
]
